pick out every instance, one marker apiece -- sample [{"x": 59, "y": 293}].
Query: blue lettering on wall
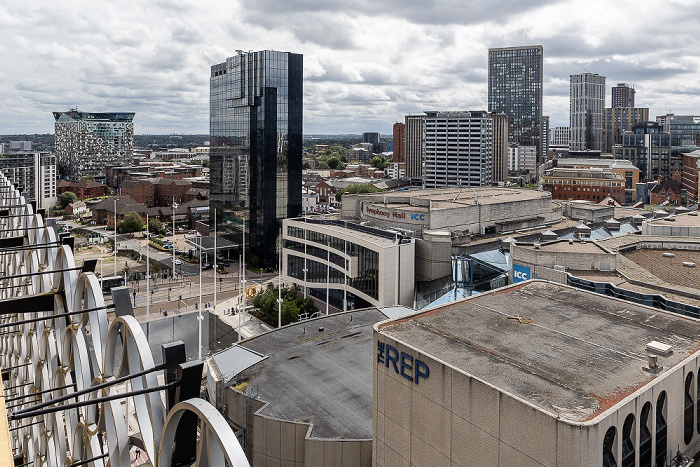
[
  {"x": 418, "y": 217},
  {"x": 403, "y": 363}
]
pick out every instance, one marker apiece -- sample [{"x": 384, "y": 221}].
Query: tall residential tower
[
  {"x": 87, "y": 142},
  {"x": 515, "y": 89},
  {"x": 587, "y": 101},
  {"x": 256, "y": 108}
]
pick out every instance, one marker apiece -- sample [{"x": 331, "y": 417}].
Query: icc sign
[
  {"x": 520, "y": 273},
  {"x": 418, "y": 217}
]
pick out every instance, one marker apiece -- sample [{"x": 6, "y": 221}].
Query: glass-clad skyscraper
[
  {"x": 515, "y": 89},
  {"x": 256, "y": 106}
]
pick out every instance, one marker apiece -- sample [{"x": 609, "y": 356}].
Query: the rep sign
[{"x": 520, "y": 273}]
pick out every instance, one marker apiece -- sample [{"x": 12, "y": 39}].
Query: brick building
[
  {"x": 83, "y": 190},
  {"x": 667, "y": 190},
  {"x": 591, "y": 184},
  {"x": 141, "y": 191}
]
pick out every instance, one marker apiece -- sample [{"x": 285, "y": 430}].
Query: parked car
[
  {"x": 206, "y": 266},
  {"x": 178, "y": 262}
]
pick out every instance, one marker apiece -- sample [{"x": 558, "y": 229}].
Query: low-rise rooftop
[
  {"x": 572, "y": 353},
  {"x": 319, "y": 371}
]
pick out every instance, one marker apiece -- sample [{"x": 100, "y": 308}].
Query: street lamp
[{"x": 175, "y": 205}]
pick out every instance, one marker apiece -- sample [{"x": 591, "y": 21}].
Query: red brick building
[
  {"x": 691, "y": 172},
  {"x": 591, "y": 184},
  {"x": 667, "y": 190},
  {"x": 399, "y": 142},
  {"x": 103, "y": 212},
  {"x": 141, "y": 191},
  {"x": 83, "y": 190}
]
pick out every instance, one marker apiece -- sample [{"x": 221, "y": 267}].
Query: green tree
[
  {"x": 155, "y": 268},
  {"x": 125, "y": 270},
  {"x": 293, "y": 303},
  {"x": 379, "y": 163},
  {"x": 307, "y": 165},
  {"x": 156, "y": 226},
  {"x": 132, "y": 223},
  {"x": 322, "y": 164},
  {"x": 205, "y": 162},
  {"x": 86, "y": 178},
  {"x": 357, "y": 189},
  {"x": 333, "y": 162},
  {"x": 66, "y": 198}
]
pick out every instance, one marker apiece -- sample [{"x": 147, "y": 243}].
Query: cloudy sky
[{"x": 367, "y": 63}]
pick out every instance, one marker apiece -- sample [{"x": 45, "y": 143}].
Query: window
[
  {"x": 688, "y": 410},
  {"x": 645, "y": 436},
  {"x": 608, "y": 447},
  {"x": 661, "y": 430},
  {"x": 627, "y": 443}
]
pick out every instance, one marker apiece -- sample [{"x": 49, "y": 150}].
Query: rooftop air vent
[{"x": 659, "y": 348}]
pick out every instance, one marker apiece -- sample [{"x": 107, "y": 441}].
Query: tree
[
  {"x": 293, "y": 304},
  {"x": 307, "y": 165},
  {"x": 333, "y": 162},
  {"x": 356, "y": 189},
  {"x": 132, "y": 223},
  {"x": 126, "y": 269},
  {"x": 205, "y": 162},
  {"x": 86, "y": 178},
  {"x": 379, "y": 163},
  {"x": 156, "y": 226},
  {"x": 66, "y": 198},
  {"x": 155, "y": 268}
]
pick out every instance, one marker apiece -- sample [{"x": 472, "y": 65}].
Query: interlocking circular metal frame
[{"x": 77, "y": 352}]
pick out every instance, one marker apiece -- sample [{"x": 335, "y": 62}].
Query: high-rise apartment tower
[
  {"x": 87, "y": 142},
  {"x": 622, "y": 95},
  {"x": 587, "y": 101},
  {"x": 256, "y": 109},
  {"x": 515, "y": 89}
]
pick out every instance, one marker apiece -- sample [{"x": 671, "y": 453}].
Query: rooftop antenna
[{"x": 459, "y": 192}]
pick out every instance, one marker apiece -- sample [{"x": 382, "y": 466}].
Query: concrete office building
[
  {"x": 536, "y": 374},
  {"x": 622, "y": 96},
  {"x": 34, "y": 173},
  {"x": 87, "y": 142},
  {"x": 399, "y": 142},
  {"x": 515, "y": 89},
  {"x": 587, "y": 101},
  {"x": 414, "y": 148},
  {"x": 559, "y": 136},
  {"x": 523, "y": 159},
  {"x": 619, "y": 120},
  {"x": 476, "y": 211},
  {"x": 349, "y": 265},
  {"x": 458, "y": 149},
  {"x": 256, "y": 143}
]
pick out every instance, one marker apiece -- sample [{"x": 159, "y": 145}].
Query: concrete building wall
[
  {"x": 571, "y": 260},
  {"x": 587, "y": 212},
  {"x": 433, "y": 255},
  {"x": 669, "y": 230},
  {"x": 453, "y": 419}
]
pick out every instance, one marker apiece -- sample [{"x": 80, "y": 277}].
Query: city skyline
[{"x": 154, "y": 59}]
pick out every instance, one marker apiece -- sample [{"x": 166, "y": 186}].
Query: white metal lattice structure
[{"x": 77, "y": 352}]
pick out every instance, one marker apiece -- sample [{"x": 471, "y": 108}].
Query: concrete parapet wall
[{"x": 576, "y": 261}]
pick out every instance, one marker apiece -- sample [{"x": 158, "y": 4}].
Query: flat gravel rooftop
[
  {"x": 323, "y": 377},
  {"x": 570, "y": 352}
]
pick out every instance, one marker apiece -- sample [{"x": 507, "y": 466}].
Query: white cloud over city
[{"x": 366, "y": 63}]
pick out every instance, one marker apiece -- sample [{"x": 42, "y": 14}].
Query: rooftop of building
[
  {"x": 572, "y": 353},
  {"x": 319, "y": 371},
  {"x": 349, "y": 230},
  {"x": 450, "y": 198},
  {"x": 567, "y": 246},
  {"x": 599, "y": 162},
  {"x": 682, "y": 220}
]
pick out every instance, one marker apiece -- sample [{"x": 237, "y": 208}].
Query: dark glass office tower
[
  {"x": 256, "y": 106},
  {"x": 515, "y": 89}
]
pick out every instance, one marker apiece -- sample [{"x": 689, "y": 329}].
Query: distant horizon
[{"x": 366, "y": 65}]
